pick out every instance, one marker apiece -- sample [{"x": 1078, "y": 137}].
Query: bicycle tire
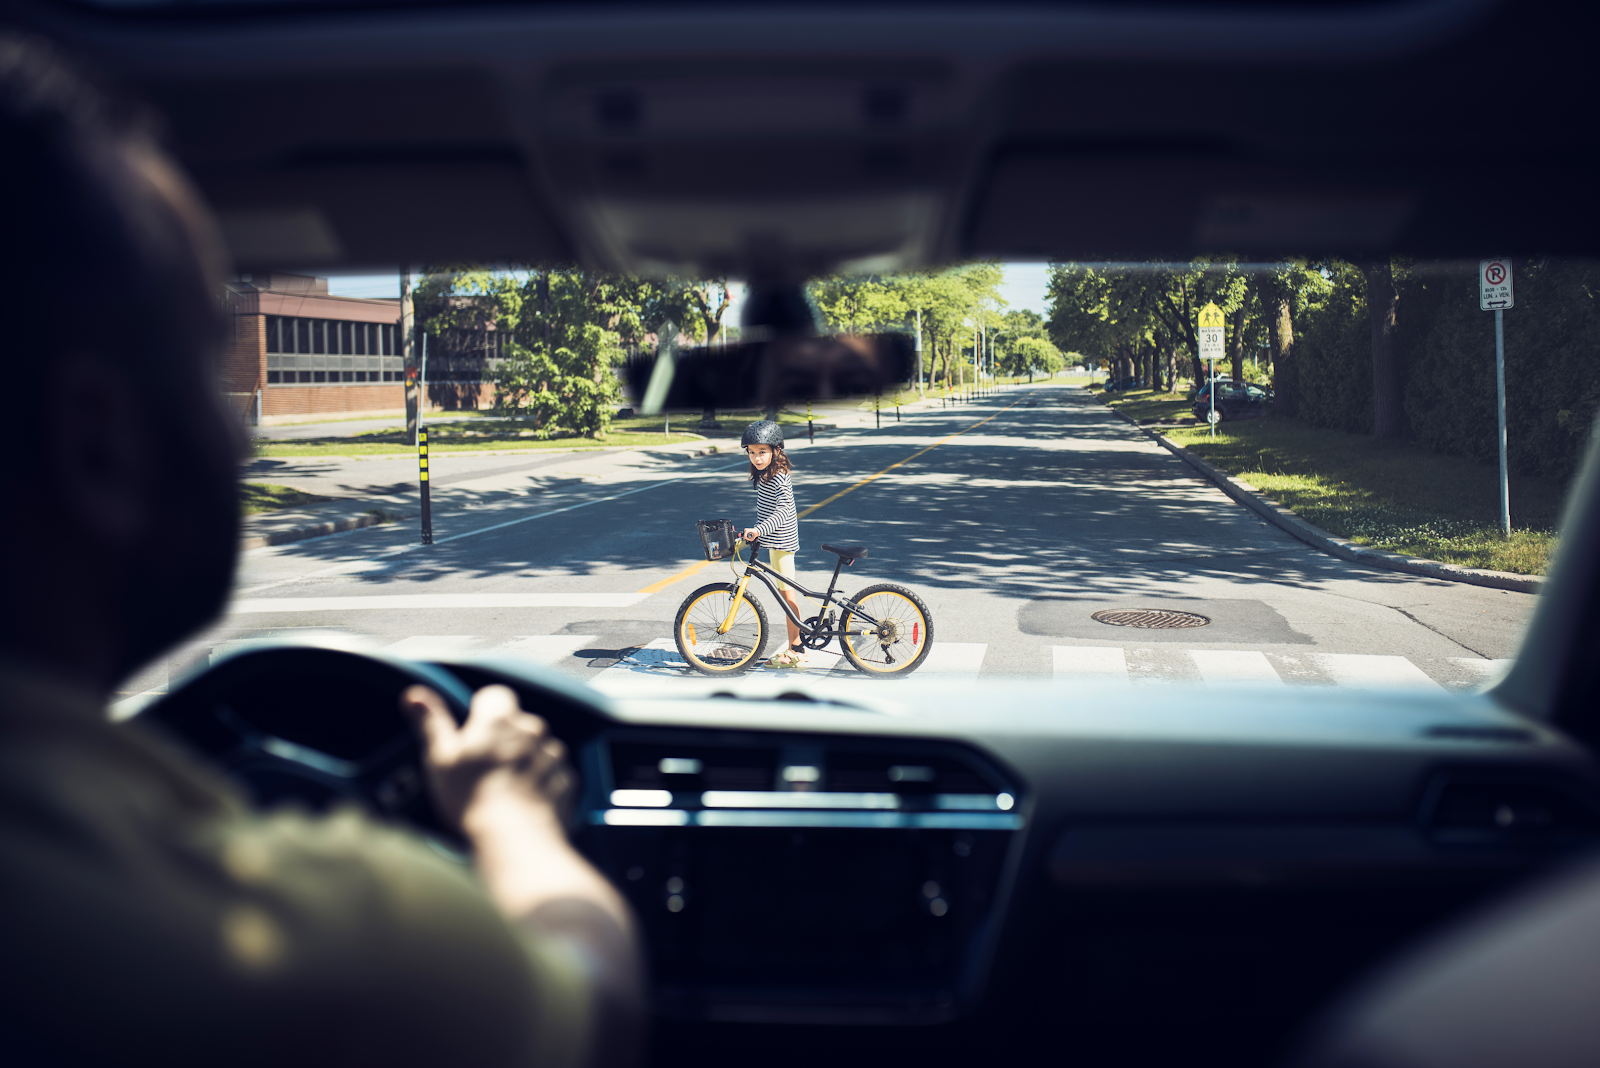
[
  {"x": 912, "y": 635},
  {"x": 704, "y": 610}
]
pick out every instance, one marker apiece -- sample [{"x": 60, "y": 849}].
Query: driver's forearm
[
  {"x": 526, "y": 862},
  {"x": 541, "y": 883}
]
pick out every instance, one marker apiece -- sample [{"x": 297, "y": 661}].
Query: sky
[{"x": 1023, "y": 287}]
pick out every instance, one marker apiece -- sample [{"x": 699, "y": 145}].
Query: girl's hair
[{"x": 779, "y": 466}]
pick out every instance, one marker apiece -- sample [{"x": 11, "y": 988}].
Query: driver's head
[{"x": 120, "y": 526}]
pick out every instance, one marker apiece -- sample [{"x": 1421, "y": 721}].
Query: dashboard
[{"x": 941, "y": 877}]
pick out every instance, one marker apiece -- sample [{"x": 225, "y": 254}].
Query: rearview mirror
[{"x": 767, "y": 374}]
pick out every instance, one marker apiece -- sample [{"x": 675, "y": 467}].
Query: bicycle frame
[{"x": 755, "y": 567}]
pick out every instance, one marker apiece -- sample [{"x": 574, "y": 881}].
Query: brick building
[{"x": 298, "y": 351}]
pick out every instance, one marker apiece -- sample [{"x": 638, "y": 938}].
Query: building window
[{"x": 345, "y": 351}]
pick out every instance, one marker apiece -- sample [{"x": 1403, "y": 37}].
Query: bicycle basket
[{"x": 717, "y": 537}]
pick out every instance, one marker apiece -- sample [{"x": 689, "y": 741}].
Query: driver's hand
[
  {"x": 751, "y": 534},
  {"x": 501, "y": 758}
]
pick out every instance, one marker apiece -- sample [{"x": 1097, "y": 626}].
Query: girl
[{"x": 777, "y": 526}]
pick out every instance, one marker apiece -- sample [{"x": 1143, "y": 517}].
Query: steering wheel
[{"x": 314, "y": 725}]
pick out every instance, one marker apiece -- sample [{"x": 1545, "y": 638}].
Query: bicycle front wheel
[
  {"x": 893, "y": 633},
  {"x": 702, "y": 648}
]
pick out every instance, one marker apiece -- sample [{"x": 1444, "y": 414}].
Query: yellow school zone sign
[{"x": 1210, "y": 332}]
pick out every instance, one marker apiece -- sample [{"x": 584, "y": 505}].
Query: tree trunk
[
  {"x": 1383, "y": 304},
  {"x": 1280, "y": 331},
  {"x": 1238, "y": 340},
  {"x": 544, "y": 309}
]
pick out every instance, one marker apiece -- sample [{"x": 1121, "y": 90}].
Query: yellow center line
[
  {"x": 908, "y": 459},
  {"x": 693, "y": 569}
]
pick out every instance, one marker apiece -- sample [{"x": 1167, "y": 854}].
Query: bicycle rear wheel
[
  {"x": 900, "y": 639},
  {"x": 710, "y": 653}
]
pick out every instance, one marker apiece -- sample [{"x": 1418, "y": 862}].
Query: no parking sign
[{"x": 1494, "y": 284}]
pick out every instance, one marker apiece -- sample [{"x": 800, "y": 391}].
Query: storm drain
[{"x": 1150, "y": 618}]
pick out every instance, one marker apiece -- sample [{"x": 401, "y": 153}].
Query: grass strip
[
  {"x": 481, "y": 435},
  {"x": 1390, "y": 495},
  {"x": 1149, "y": 405},
  {"x": 258, "y": 497}
]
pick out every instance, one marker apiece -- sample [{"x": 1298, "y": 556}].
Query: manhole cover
[{"x": 1150, "y": 618}]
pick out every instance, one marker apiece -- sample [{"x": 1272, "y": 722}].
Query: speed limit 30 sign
[{"x": 1494, "y": 284}]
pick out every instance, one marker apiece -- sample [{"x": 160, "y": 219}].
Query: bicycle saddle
[{"x": 845, "y": 552}]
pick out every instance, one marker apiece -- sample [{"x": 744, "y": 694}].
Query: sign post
[
  {"x": 1211, "y": 348},
  {"x": 1494, "y": 294},
  {"x": 422, "y": 465}
]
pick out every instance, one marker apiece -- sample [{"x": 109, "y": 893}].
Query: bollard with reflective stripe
[{"x": 427, "y": 509}]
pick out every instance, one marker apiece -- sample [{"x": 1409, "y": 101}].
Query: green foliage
[
  {"x": 1447, "y": 350},
  {"x": 563, "y": 331},
  {"x": 1139, "y": 312},
  {"x": 1332, "y": 366},
  {"x": 1552, "y": 340},
  {"x": 948, "y": 302}
]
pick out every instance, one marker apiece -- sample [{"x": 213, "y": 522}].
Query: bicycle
[{"x": 883, "y": 630}]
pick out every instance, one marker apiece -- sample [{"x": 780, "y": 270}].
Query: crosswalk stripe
[
  {"x": 404, "y": 601},
  {"x": 1371, "y": 671},
  {"x": 1487, "y": 671},
  {"x": 1235, "y": 666},
  {"x": 430, "y": 646},
  {"x": 545, "y": 648},
  {"x": 1089, "y": 662},
  {"x": 954, "y": 658}
]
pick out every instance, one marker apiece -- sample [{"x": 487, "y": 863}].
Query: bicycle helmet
[{"x": 764, "y": 432}]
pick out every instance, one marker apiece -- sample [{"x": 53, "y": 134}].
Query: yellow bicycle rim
[
  {"x": 720, "y": 651},
  {"x": 908, "y": 632}
]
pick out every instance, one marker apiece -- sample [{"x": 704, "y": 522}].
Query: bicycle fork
[{"x": 733, "y": 609}]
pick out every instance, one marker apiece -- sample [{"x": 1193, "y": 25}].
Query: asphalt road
[{"x": 1042, "y": 509}]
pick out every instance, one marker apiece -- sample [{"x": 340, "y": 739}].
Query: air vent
[
  {"x": 802, "y": 782},
  {"x": 687, "y": 768},
  {"x": 1509, "y": 810}
]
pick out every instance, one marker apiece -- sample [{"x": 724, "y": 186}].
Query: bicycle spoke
[
  {"x": 701, "y": 641},
  {"x": 897, "y": 635}
]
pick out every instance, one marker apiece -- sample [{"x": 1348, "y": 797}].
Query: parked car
[
  {"x": 1124, "y": 382},
  {"x": 1233, "y": 402}
]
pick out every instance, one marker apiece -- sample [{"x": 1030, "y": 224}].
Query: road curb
[
  {"x": 318, "y": 530},
  {"x": 1344, "y": 549}
]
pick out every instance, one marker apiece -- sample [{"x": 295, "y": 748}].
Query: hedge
[{"x": 1447, "y": 350}]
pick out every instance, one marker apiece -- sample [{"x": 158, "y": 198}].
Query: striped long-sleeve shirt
[{"x": 778, "y": 526}]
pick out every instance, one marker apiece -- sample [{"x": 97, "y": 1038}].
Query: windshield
[{"x": 1049, "y": 478}]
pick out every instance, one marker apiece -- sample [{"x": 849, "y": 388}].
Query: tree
[
  {"x": 1276, "y": 291},
  {"x": 946, "y": 300},
  {"x": 563, "y": 331},
  {"x": 1139, "y": 315},
  {"x": 1383, "y": 304}
]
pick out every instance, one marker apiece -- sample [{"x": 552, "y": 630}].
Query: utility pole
[
  {"x": 408, "y": 354},
  {"x": 921, "y": 374}
]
